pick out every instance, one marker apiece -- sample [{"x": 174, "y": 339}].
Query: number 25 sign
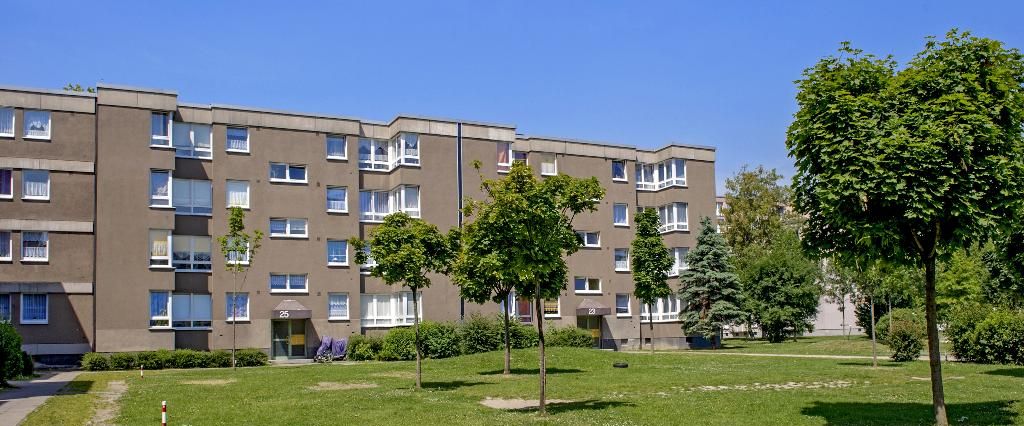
[{"x": 284, "y": 314}]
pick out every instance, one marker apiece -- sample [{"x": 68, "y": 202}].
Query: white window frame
[
  {"x": 615, "y": 255},
  {"x": 192, "y": 318},
  {"x": 400, "y": 155},
  {"x": 344, "y": 202},
  {"x": 348, "y": 307},
  {"x": 587, "y": 281},
  {"x": 46, "y": 251},
  {"x": 24, "y": 181},
  {"x": 288, "y": 173},
  {"x": 399, "y": 304},
  {"x": 544, "y": 156},
  {"x": 625, "y": 173},
  {"x": 10, "y": 183},
  {"x": 372, "y": 214},
  {"x": 154, "y": 138},
  {"x": 46, "y": 312},
  {"x": 191, "y": 265},
  {"x": 397, "y": 200},
  {"x": 288, "y": 228},
  {"x": 192, "y": 207},
  {"x": 13, "y": 122},
  {"x": 49, "y": 124},
  {"x": 678, "y": 260},
  {"x": 719, "y": 205},
  {"x": 230, "y": 316},
  {"x": 10, "y": 246},
  {"x": 6, "y": 308},
  {"x": 669, "y": 217},
  {"x": 344, "y": 261},
  {"x": 169, "y": 198},
  {"x": 661, "y": 175},
  {"x": 662, "y": 310},
  {"x": 507, "y": 166},
  {"x": 629, "y": 306},
  {"x": 645, "y": 177},
  {"x": 227, "y": 139},
  {"x": 244, "y": 260},
  {"x": 370, "y": 261},
  {"x": 191, "y": 150},
  {"x": 585, "y": 234},
  {"x": 344, "y": 147},
  {"x": 161, "y": 262},
  {"x": 373, "y": 161},
  {"x": 227, "y": 193},
  {"x": 625, "y": 207},
  {"x": 154, "y": 318},
  {"x": 554, "y": 315},
  {"x": 288, "y": 283}
]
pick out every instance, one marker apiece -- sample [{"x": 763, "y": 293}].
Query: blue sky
[{"x": 639, "y": 73}]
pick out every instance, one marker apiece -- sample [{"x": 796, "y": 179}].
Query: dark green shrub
[
  {"x": 93, "y": 361},
  {"x": 27, "y": 366},
  {"x": 186, "y": 358},
  {"x": 153, "y": 360},
  {"x": 363, "y": 348},
  {"x": 481, "y": 333},
  {"x": 915, "y": 318},
  {"x": 399, "y": 345},
  {"x": 522, "y": 335},
  {"x": 570, "y": 336},
  {"x": 905, "y": 339},
  {"x": 960, "y": 326},
  {"x": 123, "y": 361},
  {"x": 10, "y": 352},
  {"x": 251, "y": 358},
  {"x": 439, "y": 339},
  {"x": 218, "y": 359},
  {"x": 1000, "y": 338}
]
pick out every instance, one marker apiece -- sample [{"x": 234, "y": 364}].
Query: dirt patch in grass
[
  {"x": 332, "y": 386},
  {"x": 106, "y": 411},
  {"x": 209, "y": 382},
  {"x": 517, "y": 404},
  {"x": 396, "y": 374},
  {"x": 835, "y": 384}
]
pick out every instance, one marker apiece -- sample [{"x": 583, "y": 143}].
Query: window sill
[
  {"x": 161, "y": 207},
  {"x": 35, "y": 198},
  {"x": 371, "y": 220},
  {"x": 162, "y": 267},
  {"x": 35, "y": 260},
  {"x": 7, "y": 197},
  {"x": 236, "y": 321},
  {"x": 386, "y": 325},
  {"x": 194, "y": 214},
  {"x": 37, "y": 138},
  {"x": 292, "y": 237},
  {"x": 331, "y": 158},
  {"x": 246, "y": 263},
  {"x": 621, "y": 270},
  {"x": 289, "y": 181},
  {"x": 161, "y": 329},
  {"x": 587, "y": 291},
  {"x": 590, "y": 247},
  {"x": 549, "y": 174},
  {"x": 620, "y": 180},
  {"x": 166, "y": 147},
  {"x": 337, "y": 211},
  {"x": 623, "y": 315},
  {"x": 241, "y": 207},
  {"x": 44, "y": 322},
  {"x": 546, "y": 316},
  {"x": 659, "y": 321},
  {"x": 6, "y": 135},
  {"x": 338, "y": 319},
  {"x": 236, "y": 151},
  {"x": 289, "y": 291},
  {"x": 337, "y": 265},
  {"x": 621, "y": 225},
  {"x": 6, "y": 259},
  {"x": 187, "y": 157},
  {"x": 191, "y": 271},
  {"x": 192, "y": 328}
]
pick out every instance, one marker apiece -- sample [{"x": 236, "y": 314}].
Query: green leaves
[
  {"x": 710, "y": 286},
  {"x": 238, "y": 244},
  {"x": 406, "y": 249},
  {"x": 650, "y": 260}
]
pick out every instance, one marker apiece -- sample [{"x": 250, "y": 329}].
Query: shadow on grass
[
  {"x": 565, "y": 407},
  {"x": 451, "y": 385},
  {"x": 532, "y": 371},
  {"x": 881, "y": 363},
  {"x": 22, "y": 391},
  {"x": 1009, "y": 372},
  {"x": 890, "y": 413}
]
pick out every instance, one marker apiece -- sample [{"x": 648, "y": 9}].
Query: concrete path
[
  {"x": 17, "y": 403},
  {"x": 881, "y": 357}
]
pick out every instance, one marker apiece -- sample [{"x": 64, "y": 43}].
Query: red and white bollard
[{"x": 163, "y": 413}]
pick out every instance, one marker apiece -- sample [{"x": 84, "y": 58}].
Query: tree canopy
[
  {"x": 650, "y": 262},
  {"x": 709, "y": 288},
  {"x": 753, "y": 200},
  {"x": 781, "y": 289}
]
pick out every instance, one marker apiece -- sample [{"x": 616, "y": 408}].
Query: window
[
  {"x": 673, "y": 217},
  {"x": 237, "y": 139},
  {"x": 645, "y": 177},
  {"x": 159, "y": 248},
  {"x": 373, "y": 205},
  {"x": 552, "y": 308},
  {"x": 238, "y": 254},
  {"x": 5, "y": 307},
  {"x": 288, "y": 227},
  {"x": 388, "y": 310},
  {"x": 590, "y": 239},
  {"x": 5, "y": 246},
  {"x": 337, "y": 306},
  {"x": 522, "y": 309},
  {"x": 191, "y": 253},
  {"x": 337, "y": 252},
  {"x": 548, "y": 164},
  {"x": 622, "y": 305},
  {"x": 337, "y": 199},
  {"x": 679, "y": 260},
  {"x": 373, "y": 154},
  {"x": 192, "y": 140},
  {"x": 665, "y": 309},
  {"x": 37, "y": 124},
  {"x": 288, "y": 283},
  {"x": 718, "y": 209},
  {"x": 159, "y": 309},
  {"x": 159, "y": 188},
  {"x": 622, "y": 259},
  {"x": 370, "y": 261},
  {"x": 651, "y": 177},
  {"x": 6, "y": 183},
  {"x": 584, "y": 285},
  {"x": 406, "y": 198},
  {"x": 191, "y": 310},
  {"x": 192, "y": 197},
  {"x": 337, "y": 148},
  {"x": 35, "y": 184},
  {"x": 237, "y": 193},
  {"x": 519, "y": 157},
  {"x": 619, "y": 170},
  {"x": 35, "y": 246},
  {"x": 236, "y": 306},
  {"x": 35, "y": 308},
  {"x": 405, "y": 149},
  {"x": 504, "y": 157},
  {"x": 291, "y": 173},
  {"x": 7, "y": 122},
  {"x": 160, "y": 128},
  {"x": 620, "y": 214}
]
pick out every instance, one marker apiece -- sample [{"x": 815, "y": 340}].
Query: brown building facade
[{"x": 139, "y": 186}]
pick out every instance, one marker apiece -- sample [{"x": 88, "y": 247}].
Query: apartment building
[{"x": 140, "y": 185}]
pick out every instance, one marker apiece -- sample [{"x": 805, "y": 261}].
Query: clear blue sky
[{"x": 639, "y": 73}]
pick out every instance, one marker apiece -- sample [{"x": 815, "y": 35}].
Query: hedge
[
  {"x": 983, "y": 335},
  {"x": 10, "y": 352},
  {"x": 914, "y": 318},
  {"x": 180, "y": 358},
  {"x": 569, "y": 336}
]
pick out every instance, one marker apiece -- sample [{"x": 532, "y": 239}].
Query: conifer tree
[{"x": 710, "y": 290}]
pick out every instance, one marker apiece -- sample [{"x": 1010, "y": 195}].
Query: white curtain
[
  {"x": 37, "y": 183},
  {"x": 412, "y": 197},
  {"x": 7, "y": 121},
  {"x": 34, "y": 306},
  {"x": 238, "y": 194},
  {"x": 158, "y": 247},
  {"x": 338, "y": 306},
  {"x": 37, "y": 123}
]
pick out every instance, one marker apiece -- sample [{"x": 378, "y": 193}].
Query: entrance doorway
[
  {"x": 591, "y": 323},
  {"x": 288, "y": 339}
]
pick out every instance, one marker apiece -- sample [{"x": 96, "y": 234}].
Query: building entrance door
[
  {"x": 591, "y": 323},
  {"x": 288, "y": 339}
]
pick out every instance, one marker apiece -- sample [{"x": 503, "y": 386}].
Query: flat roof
[{"x": 60, "y": 92}]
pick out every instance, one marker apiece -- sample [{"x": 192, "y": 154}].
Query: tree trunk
[
  {"x": 843, "y": 312},
  {"x": 416, "y": 330},
  {"x": 641, "y": 347},
  {"x": 934, "y": 363},
  {"x": 508, "y": 343},
  {"x": 539, "y": 306},
  {"x": 234, "y": 321},
  {"x": 888, "y": 300},
  {"x": 650, "y": 322},
  {"x": 874, "y": 354}
]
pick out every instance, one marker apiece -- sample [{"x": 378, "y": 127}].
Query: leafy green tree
[
  {"x": 781, "y": 288},
  {"x": 911, "y": 164},
  {"x": 960, "y": 278},
  {"x": 650, "y": 262},
  {"x": 838, "y": 286},
  {"x": 78, "y": 88},
  {"x": 710, "y": 288},
  {"x": 1004, "y": 260},
  {"x": 239, "y": 250},
  {"x": 753, "y": 200},
  {"x": 10, "y": 352},
  {"x": 406, "y": 249}
]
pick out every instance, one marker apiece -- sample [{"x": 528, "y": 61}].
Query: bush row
[
  {"x": 179, "y": 358},
  {"x": 477, "y": 334},
  {"x": 980, "y": 334}
]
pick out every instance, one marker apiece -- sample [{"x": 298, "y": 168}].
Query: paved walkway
[
  {"x": 881, "y": 357},
  {"x": 17, "y": 403}
]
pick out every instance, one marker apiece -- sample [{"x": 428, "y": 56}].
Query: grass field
[
  {"x": 824, "y": 345},
  {"x": 665, "y": 388}
]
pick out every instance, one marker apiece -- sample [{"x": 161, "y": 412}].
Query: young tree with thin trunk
[
  {"x": 709, "y": 286},
  {"x": 239, "y": 250},
  {"x": 838, "y": 287},
  {"x": 911, "y": 163},
  {"x": 650, "y": 263},
  {"x": 406, "y": 249}
]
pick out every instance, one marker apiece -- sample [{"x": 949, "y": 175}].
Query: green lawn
[
  {"x": 824, "y": 345},
  {"x": 665, "y": 388}
]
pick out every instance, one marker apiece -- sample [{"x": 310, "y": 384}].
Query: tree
[
  {"x": 239, "y": 250},
  {"x": 78, "y": 88},
  {"x": 406, "y": 249},
  {"x": 960, "y": 278},
  {"x": 10, "y": 352},
  {"x": 781, "y": 288},
  {"x": 753, "y": 199},
  {"x": 838, "y": 287},
  {"x": 650, "y": 262},
  {"x": 710, "y": 286},
  {"x": 1004, "y": 260},
  {"x": 911, "y": 165}
]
